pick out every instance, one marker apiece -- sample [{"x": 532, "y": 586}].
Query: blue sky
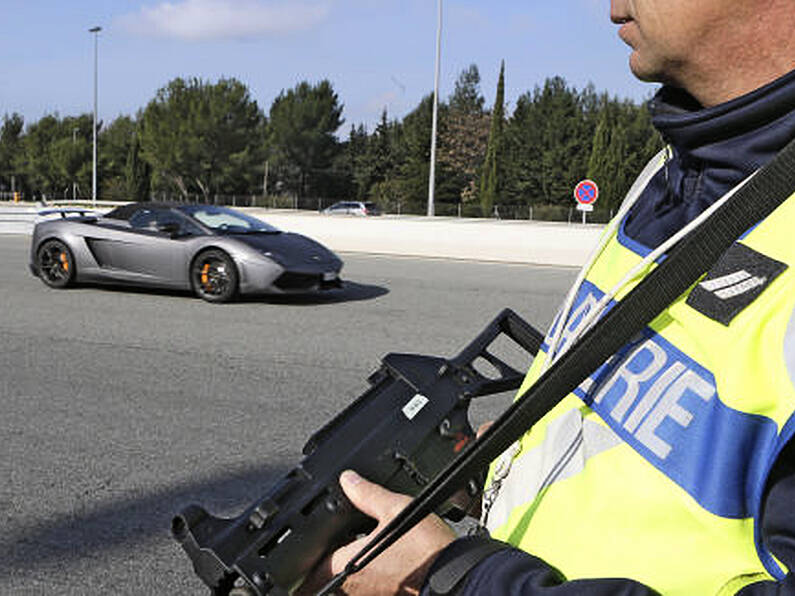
[{"x": 377, "y": 53}]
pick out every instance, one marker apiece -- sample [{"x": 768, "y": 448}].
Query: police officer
[{"x": 674, "y": 471}]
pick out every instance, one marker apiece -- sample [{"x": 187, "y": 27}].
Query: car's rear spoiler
[{"x": 65, "y": 212}]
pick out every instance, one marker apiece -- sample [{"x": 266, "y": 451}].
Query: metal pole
[
  {"x": 432, "y": 176},
  {"x": 95, "y": 31}
]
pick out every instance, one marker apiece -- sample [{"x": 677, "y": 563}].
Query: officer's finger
[
  {"x": 483, "y": 428},
  {"x": 372, "y": 499}
]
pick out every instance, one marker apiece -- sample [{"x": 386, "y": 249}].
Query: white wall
[{"x": 443, "y": 237}]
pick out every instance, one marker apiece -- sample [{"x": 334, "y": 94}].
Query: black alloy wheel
[
  {"x": 55, "y": 263},
  {"x": 214, "y": 276}
]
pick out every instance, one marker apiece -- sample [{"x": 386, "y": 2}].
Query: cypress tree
[
  {"x": 600, "y": 168},
  {"x": 490, "y": 182}
]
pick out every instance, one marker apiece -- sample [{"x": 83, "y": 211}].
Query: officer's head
[{"x": 715, "y": 49}]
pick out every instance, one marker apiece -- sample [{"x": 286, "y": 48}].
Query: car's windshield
[{"x": 225, "y": 220}]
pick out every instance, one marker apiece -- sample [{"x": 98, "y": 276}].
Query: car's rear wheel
[
  {"x": 214, "y": 276},
  {"x": 55, "y": 263}
]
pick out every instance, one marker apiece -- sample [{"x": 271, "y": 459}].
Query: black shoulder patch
[{"x": 735, "y": 281}]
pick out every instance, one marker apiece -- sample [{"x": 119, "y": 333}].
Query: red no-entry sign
[{"x": 586, "y": 192}]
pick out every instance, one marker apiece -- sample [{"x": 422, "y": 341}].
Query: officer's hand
[{"x": 400, "y": 569}]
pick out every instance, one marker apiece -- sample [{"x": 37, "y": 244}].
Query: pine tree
[
  {"x": 378, "y": 163},
  {"x": 202, "y": 136},
  {"x": 303, "y": 121},
  {"x": 137, "y": 173},
  {"x": 464, "y": 135},
  {"x": 623, "y": 142},
  {"x": 10, "y": 147},
  {"x": 490, "y": 177},
  {"x": 466, "y": 97},
  {"x": 416, "y": 159},
  {"x": 356, "y": 160}
]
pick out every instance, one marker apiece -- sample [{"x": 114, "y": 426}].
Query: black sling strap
[{"x": 687, "y": 261}]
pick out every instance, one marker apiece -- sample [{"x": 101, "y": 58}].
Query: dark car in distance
[{"x": 216, "y": 252}]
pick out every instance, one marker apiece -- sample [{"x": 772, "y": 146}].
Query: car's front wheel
[
  {"x": 55, "y": 263},
  {"x": 214, "y": 276}
]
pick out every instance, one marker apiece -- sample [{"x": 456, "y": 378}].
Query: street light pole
[
  {"x": 432, "y": 176},
  {"x": 95, "y": 31}
]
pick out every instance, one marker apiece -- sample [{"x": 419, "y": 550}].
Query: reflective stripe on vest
[{"x": 654, "y": 468}]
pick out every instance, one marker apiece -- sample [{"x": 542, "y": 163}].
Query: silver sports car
[{"x": 215, "y": 251}]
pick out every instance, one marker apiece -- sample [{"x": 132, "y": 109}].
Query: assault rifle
[{"x": 405, "y": 429}]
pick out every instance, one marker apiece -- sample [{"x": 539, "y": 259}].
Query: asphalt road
[{"x": 120, "y": 407}]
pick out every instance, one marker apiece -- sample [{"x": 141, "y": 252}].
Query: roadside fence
[{"x": 527, "y": 212}]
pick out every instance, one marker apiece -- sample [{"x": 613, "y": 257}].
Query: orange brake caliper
[
  {"x": 64, "y": 261},
  {"x": 205, "y": 276}
]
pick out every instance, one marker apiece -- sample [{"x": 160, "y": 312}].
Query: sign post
[{"x": 585, "y": 193}]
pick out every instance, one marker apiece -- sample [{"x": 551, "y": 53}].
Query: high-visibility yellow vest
[{"x": 654, "y": 468}]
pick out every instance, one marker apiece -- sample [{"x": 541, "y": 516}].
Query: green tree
[
  {"x": 356, "y": 159},
  {"x": 79, "y": 132},
  {"x": 137, "y": 173},
  {"x": 643, "y": 140},
  {"x": 415, "y": 163},
  {"x": 462, "y": 144},
  {"x": 203, "y": 137},
  {"x": 466, "y": 96},
  {"x": 565, "y": 142},
  {"x": 301, "y": 136},
  {"x": 522, "y": 144},
  {"x": 412, "y": 158},
  {"x": 379, "y": 165},
  {"x": 56, "y": 154},
  {"x": 114, "y": 145},
  {"x": 490, "y": 180},
  {"x": 36, "y": 156},
  {"x": 373, "y": 159},
  {"x": 606, "y": 166},
  {"x": 10, "y": 147},
  {"x": 549, "y": 142},
  {"x": 624, "y": 140},
  {"x": 380, "y": 153}
]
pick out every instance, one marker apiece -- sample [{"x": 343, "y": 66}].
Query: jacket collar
[{"x": 744, "y": 133}]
